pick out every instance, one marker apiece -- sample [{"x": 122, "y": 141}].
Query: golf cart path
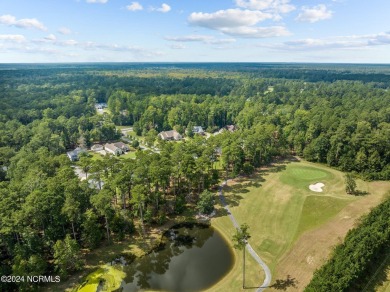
[{"x": 268, "y": 276}]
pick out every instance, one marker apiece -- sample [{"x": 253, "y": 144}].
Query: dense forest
[{"x": 333, "y": 114}]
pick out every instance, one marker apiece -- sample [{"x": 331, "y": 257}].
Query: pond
[{"x": 192, "y": 257}]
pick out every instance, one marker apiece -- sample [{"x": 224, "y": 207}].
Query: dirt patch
[{"x": 314, "y": 247}]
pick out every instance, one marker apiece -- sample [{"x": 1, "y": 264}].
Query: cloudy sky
[{"x": 347, "y": 31}]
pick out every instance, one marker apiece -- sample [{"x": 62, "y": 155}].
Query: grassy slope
[{"x": 293, "y": 229}]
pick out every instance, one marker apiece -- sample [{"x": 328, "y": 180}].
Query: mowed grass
[
  {"x": 317, "y": 210},
  {"x": 282, "y": 212}
]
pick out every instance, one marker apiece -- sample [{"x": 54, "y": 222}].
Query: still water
[{"x": 192, "y": 258}]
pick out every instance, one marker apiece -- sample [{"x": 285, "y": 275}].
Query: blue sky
[{"x": 346, "y": 31}]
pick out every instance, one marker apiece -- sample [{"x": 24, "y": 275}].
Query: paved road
[{"x": 268, "y": 276}]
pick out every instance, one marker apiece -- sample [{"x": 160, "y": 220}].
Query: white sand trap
[{"x": 317, "y": 187}]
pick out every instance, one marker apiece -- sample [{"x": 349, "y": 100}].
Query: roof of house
[
  {"x": 170, "y": 134},
  {"x": 231, "y": 128},
  {"x": 121, "y": 145},
  {"x": 96, "y": 146},
  {"x": 111, "y": 147},
  {"x": 198, "y": 129},
  {"x": 75, "y": 152}
]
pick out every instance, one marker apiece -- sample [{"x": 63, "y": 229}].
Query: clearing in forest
[{"x": 293, "y": 229}]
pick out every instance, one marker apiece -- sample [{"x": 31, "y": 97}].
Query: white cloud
[
  {"x": 238, "y": 23},
  {"x": 200, "y": 38},
  {"x": 50, "y": 45},
  {"x": 134, "y": 6},
  {"x": 7, "y": 19},
  {"x": 64, "y": 30},
  {"x": 221, "y": 41},
  {"x": 68, "y": 43},
  {"x": 178, "y": 46},
  {"x": 164, "y": 8},
  {"x": 338, "y": 42},
  {"x": 97, "y": 1},
  {"x": 17, "y": 38},
  {"x": 227, "y": 18},
  {"x": 189, "y": 38},
  {"x": 277, "y": 6},
  {"x": 138, "y": 51},
  {"x": 30, "y": 23},
  {"x": 51, "y": 37},
  {"x": 314, "y": 14},
  {"x": 256, "y": 32}
]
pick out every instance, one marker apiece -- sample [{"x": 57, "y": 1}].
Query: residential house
[
  {"x": 170, "y": 135},
  {"x": 122, "y": 146},
  {"x": 198, "y": 130},
  {"x": 97, "y": 147},
  {"x": 101, "y": 105},
  {"x": 74, "y": 155},
  {"x": 112, "y": 149},
  {"x": 230, "y": 128}
]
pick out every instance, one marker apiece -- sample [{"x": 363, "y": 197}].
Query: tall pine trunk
[
  {"x": 243, "y": 269},
  {"x": 142, "y": 220},
  {"x": 74, "y": 233},
  {"x": 107, "y": 228}
]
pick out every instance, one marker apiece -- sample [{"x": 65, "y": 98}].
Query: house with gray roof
[
  {"x": 170, "y": 135},
  {"x": 122, "y": 146},
  {"x": 75, "y": 154},
  {"x": 198, "y": 130}
]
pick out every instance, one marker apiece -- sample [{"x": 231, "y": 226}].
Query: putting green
[
  {"x": 110, "y": 275},
  {"x": 301, "y": 175}
]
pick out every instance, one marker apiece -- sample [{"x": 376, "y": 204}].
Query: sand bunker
[{"x": 317, "y": 187}]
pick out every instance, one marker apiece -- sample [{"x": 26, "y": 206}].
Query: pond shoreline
[
  {"x": 156, "y": 242},
  {"x": 181, "y": 249}
]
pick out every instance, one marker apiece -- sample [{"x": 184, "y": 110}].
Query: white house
[{"x": 198, "y": 130}]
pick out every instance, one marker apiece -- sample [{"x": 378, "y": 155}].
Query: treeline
[
  {"x": 343, "y": 124},
  {"x": 363, "y": 247}
]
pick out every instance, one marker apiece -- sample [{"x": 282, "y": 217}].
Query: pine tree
[
  {"x": 350, "y": 184},
  {"x": 240, "y": 240}
]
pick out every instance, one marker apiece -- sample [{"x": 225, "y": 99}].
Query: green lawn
[
  {"x": 130, "y": 154},
  {"x": 317, "y": 210},
  {"x": 95, "y": 156},
  {"x": 134, "y": 136},
  {"x": 300, "y": 176},
  {"x": 279, "y": 208}
]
